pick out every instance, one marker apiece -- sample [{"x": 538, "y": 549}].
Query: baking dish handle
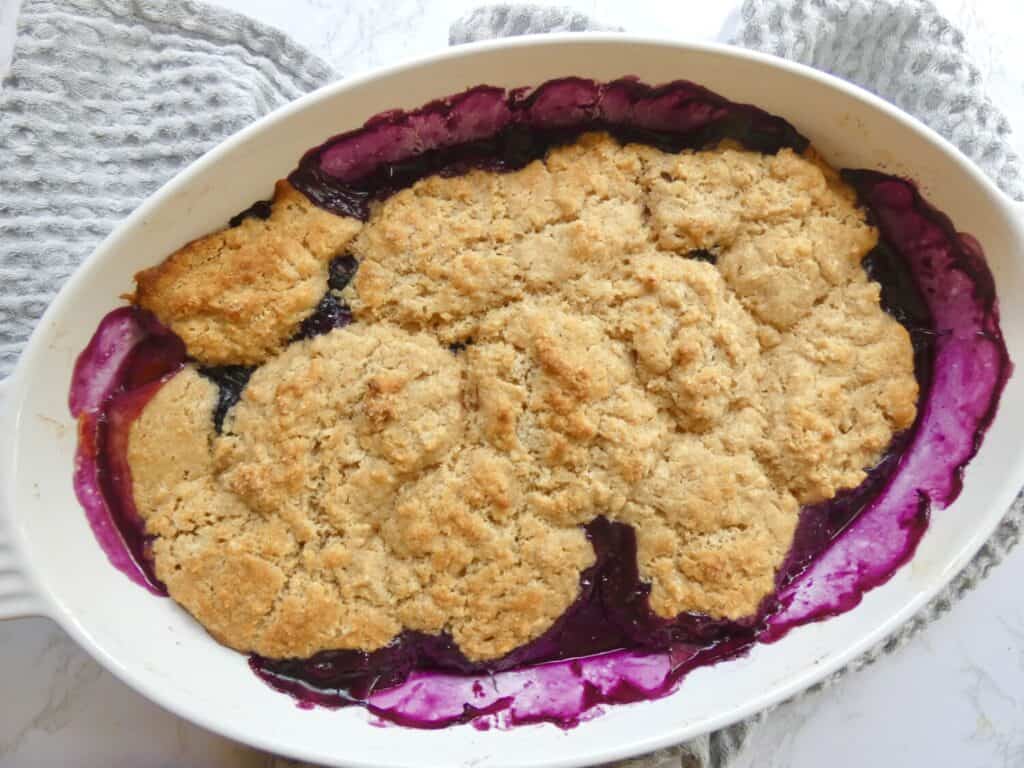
[{"x": 18, "y": 598}]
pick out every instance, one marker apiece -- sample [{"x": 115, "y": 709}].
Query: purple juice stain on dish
[
  {"x": 608, "y": 647},
  {"x": 125, "y": 363},
  {"x": 560, "y": 692}
]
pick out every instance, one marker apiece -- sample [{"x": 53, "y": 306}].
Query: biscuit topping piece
[{"x": 237, "y": 296}]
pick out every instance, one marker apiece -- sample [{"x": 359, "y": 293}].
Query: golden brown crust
[
  {"x": 370, "y": 480},
  {"x": 317, "y": 532},
  {"x": 238, "y": 295}
]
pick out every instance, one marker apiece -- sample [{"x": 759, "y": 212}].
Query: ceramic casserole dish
[{"x": 50, "y": 564}]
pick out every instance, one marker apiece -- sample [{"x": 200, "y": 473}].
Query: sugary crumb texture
[{"x": 372, "y": 479}]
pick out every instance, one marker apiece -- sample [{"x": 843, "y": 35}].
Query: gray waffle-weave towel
[{"x": 108, "y": 99}]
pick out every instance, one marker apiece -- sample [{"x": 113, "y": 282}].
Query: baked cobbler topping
[{"x": 370, "y": 482}]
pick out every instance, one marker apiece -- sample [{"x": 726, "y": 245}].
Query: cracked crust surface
[
  {"x": 237, "y": 296},
  {"x": 371, "y": 480}
]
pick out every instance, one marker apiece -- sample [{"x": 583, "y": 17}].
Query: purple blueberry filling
[
  {"x": 494, "y": 129},
  {"x": 259, "y": 210},
  {"x": 129, "y": 357},
  {"x": 330, "y": 313},
  {"x": 610, "y": 613},
  {"x": 230, "y": 381},
  {"x": 701, "y": 254},
  {"x": 341, "y": 272},
  {"x": 609, "y": 646}
]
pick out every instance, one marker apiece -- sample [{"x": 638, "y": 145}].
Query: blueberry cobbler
[{"x": 528, "y": 401}]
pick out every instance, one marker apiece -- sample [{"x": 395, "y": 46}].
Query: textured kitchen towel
[
  {"x": 105, "y": 101},
  {"x": 108, "y": 99},
  {"x": 908, "y": 53}
]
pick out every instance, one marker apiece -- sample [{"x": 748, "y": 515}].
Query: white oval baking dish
[{"x": 51, "y": 565}]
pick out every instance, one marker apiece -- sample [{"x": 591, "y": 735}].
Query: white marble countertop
[{"x": 953, "y": 696}]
